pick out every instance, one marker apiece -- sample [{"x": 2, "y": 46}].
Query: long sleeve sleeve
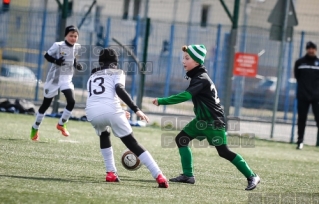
[
  {"x": 51, "y": 54},
  {"x": 49, "y": 58},
  {"x": 120, "y": 91},
  {"x": 174, "y": 99},
  {"x": 296, "y": 71}
]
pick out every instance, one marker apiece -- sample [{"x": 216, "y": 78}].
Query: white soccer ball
[{"x": 130, "y": 161}]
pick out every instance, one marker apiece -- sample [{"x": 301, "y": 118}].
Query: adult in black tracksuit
[{"x": 307, "y": 74}]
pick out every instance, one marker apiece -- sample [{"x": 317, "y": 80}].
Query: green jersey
[{"x": 204, "y": 95}]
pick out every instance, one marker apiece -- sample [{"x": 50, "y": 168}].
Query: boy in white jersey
[
  {"x": 62, "y": 55},
  {"x": 103, "y": 110}
]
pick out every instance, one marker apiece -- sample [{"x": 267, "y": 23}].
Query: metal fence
[{"x": 22, "y": 39}]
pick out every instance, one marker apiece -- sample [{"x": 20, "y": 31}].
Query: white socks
[
  {"x": 109, "y": 159},
  {"x": 38, "y": 119},
  {"x": 65, "y": 116},
  {"x": 147, "y": 159}
]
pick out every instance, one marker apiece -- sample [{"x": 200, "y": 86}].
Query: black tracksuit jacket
[{"x": 307, "y": 74}]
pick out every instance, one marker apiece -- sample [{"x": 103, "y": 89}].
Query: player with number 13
[{"x": 106, "y": 86}]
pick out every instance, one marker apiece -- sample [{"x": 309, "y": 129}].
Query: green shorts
[{"x": 201, "y": 130}]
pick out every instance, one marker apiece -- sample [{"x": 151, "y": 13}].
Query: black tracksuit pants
[{"x": 303, "y": 109}]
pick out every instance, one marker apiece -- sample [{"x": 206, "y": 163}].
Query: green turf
[{"x": 71, "y": 170}]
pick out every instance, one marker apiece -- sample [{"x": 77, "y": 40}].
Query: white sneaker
[
  {"x": 253, "y": 181},
  {"x": 300, "y": 146}
]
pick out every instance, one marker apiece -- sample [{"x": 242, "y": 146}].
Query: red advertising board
[{"x": 245, "y": 64}]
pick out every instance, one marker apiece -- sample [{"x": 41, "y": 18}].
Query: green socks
[
  {"x": 187, "y": 160},
  {"x": 187, "y": 163},
  {"x": 242, "y": 166}
]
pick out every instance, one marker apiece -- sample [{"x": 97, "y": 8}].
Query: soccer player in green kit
[{"x": 209, "y": 120}]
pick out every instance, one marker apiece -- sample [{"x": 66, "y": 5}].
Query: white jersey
[
  {"x": 62, "y": 74},
  {"x": 102, "y": 97}
]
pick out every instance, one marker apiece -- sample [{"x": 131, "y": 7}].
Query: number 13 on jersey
[{"x": 100, "y": 84}]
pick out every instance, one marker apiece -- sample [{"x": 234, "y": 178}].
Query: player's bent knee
[
  {"x": 182, "y": 139},
  {"x": 45, "y": 105},
  {"x": 43, "y": 109},
  {"x": 131, "y": 143},
  {"x": 225, "y": 153},
  {"x": 222, "y": 154},
  {"x": 105, "y": 141},
  {"x": 70, "y": 105},
  {"x": 72, "y": 102}
]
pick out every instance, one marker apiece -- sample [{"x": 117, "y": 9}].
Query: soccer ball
[{"x": 130, "y": 161}]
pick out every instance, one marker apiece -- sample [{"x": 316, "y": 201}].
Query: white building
[{"x": 194, "y": 11}]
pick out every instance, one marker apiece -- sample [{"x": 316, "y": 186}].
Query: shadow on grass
[
  {"x": 12, "y": 139},
  {"x": 137, "y": 180},
  {"x": 20, "y": 139},
  {"x": 49, "y": 179}
]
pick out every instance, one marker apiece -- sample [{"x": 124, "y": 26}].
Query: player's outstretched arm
[
  {"x": 174, "y": 99},
  {"x": 121, "y": 92}
]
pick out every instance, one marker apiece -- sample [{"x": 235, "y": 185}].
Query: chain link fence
[{"x": 252, "y": 98}]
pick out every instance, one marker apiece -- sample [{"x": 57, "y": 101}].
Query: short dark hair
[
  {"x": 70, "y": 28},
  {"x": 108, "y": 57}
]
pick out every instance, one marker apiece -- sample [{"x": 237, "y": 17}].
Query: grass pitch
[{"x": 71, "y": 170}]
